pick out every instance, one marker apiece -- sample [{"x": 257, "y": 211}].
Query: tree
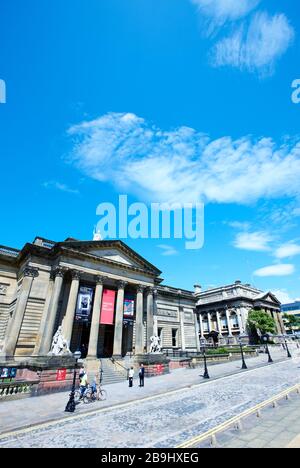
[
  {"x": 291, "y": 322},
  {"x": 260, "y": 323}
]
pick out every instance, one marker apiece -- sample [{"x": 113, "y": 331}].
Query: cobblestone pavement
[
  {"x": 167, "y": 420},
  {"x": 277, "y": 428},
  {"x": 23, "y": 413}
]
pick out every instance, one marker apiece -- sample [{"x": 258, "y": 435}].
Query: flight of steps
[{"x": 112, "y": 373}]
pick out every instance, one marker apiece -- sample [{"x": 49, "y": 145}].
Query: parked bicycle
[{"x": 94, "y": 393}]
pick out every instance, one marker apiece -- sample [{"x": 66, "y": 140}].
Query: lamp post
[
  {"x": 244, "y": 365},
  {"x": 203, "y": 345},
  {"x": 287, "y": 348},
  {"x": 266, "y": 339},
  {"x": 71, "y": 405}
]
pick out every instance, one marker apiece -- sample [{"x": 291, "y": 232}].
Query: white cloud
[
  {"x": 288, "y": 250},
  {"x": 258, "y": 46},
  {"x": 60, "y": 186},
  {"x": 168, "y": 250},
  {"x": 255, "y": 241},
  {"x": 183, "y": 165},
  {"x": 283, "y": 296},
  {"x": 221, "y": 11},
  {"x": 276, "y": 270}
]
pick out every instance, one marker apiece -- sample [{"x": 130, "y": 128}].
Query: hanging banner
[
  {"x": 84, "y": 305},
  {"x": 108, "y": 307},
  {"x": 129, "y": 307}
]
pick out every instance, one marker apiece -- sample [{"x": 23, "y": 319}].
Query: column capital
[
  {"x": 30, "y": 271},
  {"x": 151, "y": 290},
  {"x": 100, "y": 279},
  {"x": 58, "y": 272},
  {"x": 122, "y": 284},
  {"x": 140, "y": 288},
  {"x": 76, "y": 274}
]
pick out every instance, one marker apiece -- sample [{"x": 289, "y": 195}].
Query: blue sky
[{"x": 207, "y": 87}]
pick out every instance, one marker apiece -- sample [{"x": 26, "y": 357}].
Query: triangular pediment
[
  {"x": 268, "y": 297},
  {"x": 113, "y": 251}
]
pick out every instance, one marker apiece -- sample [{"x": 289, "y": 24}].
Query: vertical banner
[
  {"x": 108, "y": 307},
  {"x": 129, "y": 307},
  {"x": 84, "y": 305}
]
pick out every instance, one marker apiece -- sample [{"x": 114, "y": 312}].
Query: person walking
[
  {"x": 83, "y": 382},
  {"x": 131, "y": 375},
  {"x": 142, "y": 375}
]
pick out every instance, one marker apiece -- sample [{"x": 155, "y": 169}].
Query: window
[
  {"x": 174, "y": 337},
  {"x": 160, "y": 335}
]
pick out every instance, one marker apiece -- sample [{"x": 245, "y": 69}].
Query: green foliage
[
  {"x": 260, "y": 322},
  {"x": 291, "y": 321}
]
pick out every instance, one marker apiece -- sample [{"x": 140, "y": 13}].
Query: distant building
[
  {"x": 292, "y": 309},
  {"x": 226, "y": 309}
]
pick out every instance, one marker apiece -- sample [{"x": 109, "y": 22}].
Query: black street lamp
[
  {"x": 287, "y": 348},
  {"x": 71, "y": 405},
  {"x": 206, "y": 374},
  {"x": 266, "y": 339},
  {"x": 244, "y": 365}
]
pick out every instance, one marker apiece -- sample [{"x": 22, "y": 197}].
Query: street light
[
  {"x": 244, "y": 365},
  {"x": 203, "y": 345},
  {"x": 287, "y": 348},
  {"x": 266, "y": 339},
  {"x": 71, "y": 405}
]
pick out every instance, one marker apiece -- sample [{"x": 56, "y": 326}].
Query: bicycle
[{"x": 91, "y": 394}]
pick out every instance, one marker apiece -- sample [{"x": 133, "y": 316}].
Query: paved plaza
[{"x": 143, "y": 418}]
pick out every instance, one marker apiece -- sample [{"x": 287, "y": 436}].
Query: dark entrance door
[{"x": 108, "y": 347}]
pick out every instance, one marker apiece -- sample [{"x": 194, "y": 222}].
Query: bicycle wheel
[
  {"x": 77, "y": 396},
  {"x": 88, "y": 397},
  {"x": 102, "y": 395}
]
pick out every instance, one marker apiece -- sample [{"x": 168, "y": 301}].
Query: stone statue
[
  {"x": 59, "y": 345},
  {"x": 155, "y": 347}
]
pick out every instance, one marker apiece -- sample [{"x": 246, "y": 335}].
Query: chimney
[{"x": 198, "y": 289}]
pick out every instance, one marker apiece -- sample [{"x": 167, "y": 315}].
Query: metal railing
[{"x": 16, "y": 389}]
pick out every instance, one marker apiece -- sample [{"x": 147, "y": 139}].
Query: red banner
[
  {"x": 61, "y": 375},
  {"x": 108, "y": 307}
]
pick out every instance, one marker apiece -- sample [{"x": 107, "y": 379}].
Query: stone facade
[
  {"x": 226, "y": 310},
  {"x": 39, "y": 288}
]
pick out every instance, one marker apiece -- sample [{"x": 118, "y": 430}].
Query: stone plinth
[{"x": 155, "y": 364}]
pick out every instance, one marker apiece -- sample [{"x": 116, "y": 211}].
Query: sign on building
[
  {"x": 108, "y": 307},
  {"x": 84, "y": 305}
]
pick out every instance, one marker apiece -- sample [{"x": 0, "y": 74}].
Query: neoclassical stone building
[
  {"x": 108, "y": 300},
  {"x": 226, "y": 310}
]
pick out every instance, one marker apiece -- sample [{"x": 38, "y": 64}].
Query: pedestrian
[
  {"x": 131, "y": 375},
  {"x": 83, "y": 382},
  {"x": 142, "y": 375}
]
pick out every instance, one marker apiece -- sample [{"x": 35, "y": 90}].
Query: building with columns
[
  {"x": 226, "y": 309},
  {"x": 107, "y": 299}
]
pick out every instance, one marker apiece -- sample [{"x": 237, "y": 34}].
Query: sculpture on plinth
[
  {"x": 155, "y": 346},
  {"x": 60, "y": 346}
]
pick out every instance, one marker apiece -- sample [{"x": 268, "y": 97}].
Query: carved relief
[{"x": 3, "y": 289}]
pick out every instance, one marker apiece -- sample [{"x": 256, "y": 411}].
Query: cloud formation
[
  {"x": 288, "y": 250},
  {"x": 276, "y": 270},
  {"x": 256, "y": 47},
  {"x": 183, "y": 165},
  {"x": 255, "y": 241},
  {"x": 221, "y": 11}
]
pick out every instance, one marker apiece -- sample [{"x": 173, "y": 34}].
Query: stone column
[
  {"x": 151, "y": 298},
  {"x": 95, "y": 325},
  {"x": 201, "y": 325},
  {"x": 139, "y": 326},
  {"x": 181, "y": 314},
  {"x": 228, "y": 322},
  {"x": 17, "y": 320},
  {"x": 219, "y": 323},
  {"x": 197, "y": 332},
  {"x": 119, "y": 320},
  {"x": 48, "y": 331},
  {"x": 43, "y": 324},
  {"x": 209, "y": 322},
  {"x": 239, "y": 316},
  {"x": 68, "y": 320}
]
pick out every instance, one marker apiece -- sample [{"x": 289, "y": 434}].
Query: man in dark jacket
[{"x": 142, "y": 375}]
